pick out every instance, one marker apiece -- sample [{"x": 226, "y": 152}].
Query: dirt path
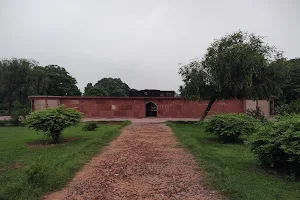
[{"x": 143, "y": 163}]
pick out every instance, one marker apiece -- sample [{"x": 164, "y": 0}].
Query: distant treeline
[{"x": 20, "y": 78}]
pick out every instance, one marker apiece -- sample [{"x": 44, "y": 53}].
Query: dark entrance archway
[{"x": 151, "y": 110}]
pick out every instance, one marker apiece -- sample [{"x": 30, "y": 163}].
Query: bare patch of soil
[
  {"x": 49, "y": 142},
  {"x": 16, "y": 165},
  {"x": 110, "y": 122},
  {"x": 143, "y": 163}
]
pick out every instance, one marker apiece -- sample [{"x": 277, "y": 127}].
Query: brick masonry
[{"x": 135, "y": 107}]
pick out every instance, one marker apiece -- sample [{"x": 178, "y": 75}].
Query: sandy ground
[{"x": 144, "y": 162}]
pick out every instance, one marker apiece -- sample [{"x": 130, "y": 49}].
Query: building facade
[
  {"x": 151, "y": 93},
  {"x": 140, "y": 107}
]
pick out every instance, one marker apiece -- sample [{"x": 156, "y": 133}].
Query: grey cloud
[{"x": 141, "y": 42}]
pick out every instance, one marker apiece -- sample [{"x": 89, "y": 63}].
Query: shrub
[
  {"x": 278, "y": 144},
  {"x": 3, "y": 109},
  {"x": 228, "y": 127},
  {"x": 90, "y": 126},
  {"x": 292, "y": 108},
  {"x": 36, "y": 174},
  {"x": 52, "y": 121},
  {"x": 5, "y": 123},
  {"x": 17, "y": 116},
  {"x": 256, "y": 113}
]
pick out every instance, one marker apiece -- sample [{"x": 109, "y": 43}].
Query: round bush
[
  {"x": 278, "y": 144},
  {"x": 90, "y": 126},
  {"x": 228, "y": 127},
  {"x": 52, "y": 121},
  {"x": 292, "y": 108}
]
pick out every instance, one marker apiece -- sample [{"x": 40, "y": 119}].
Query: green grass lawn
[
  {"x": 29, "y": 172},
  {"x": 232, "y": 168}
]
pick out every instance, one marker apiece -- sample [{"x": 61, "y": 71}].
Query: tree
[
  {"x": 39, "y": 81},
  {"x": 20, "y": 78},
  {"x": 62, "y": 83},
  {"x": 239, "y": 65},
  {"x": 96, "y": 91},
  {"x": 87, "y": 89},
  {"x": 16, "y": 81},
  {"x": 114, "y": 86},
  {"x": 52, "y": 121},
  {"x": 107, "y": 87},
  {"x": 291, "y": 90}
]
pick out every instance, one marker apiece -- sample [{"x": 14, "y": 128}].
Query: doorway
[{"x": 151, "y": 110}]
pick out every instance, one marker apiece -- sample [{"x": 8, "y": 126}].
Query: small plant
[
  {"x": 256, "y": 113},
  {"x": 36, "y": 174},
  {"x": 53, "y": 121},
  {"x": 292, "y": 108},
  {"x": 17, "y": 116},
  {"x": 228, "y": 127},
  {"x": 277, "y": 145},
  {"x": 90, "y": 126}
]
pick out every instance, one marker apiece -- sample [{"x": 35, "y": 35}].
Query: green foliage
[
  {"x": 292, "y": 108},
  {"x": 90, "y": 126},
  {"x": 91, "y": 90},
  {"x": 232, "y": 168},
  {"x": 30, "y": 173},
  {"x": 196, "y": 81},
  {"x": 20, "y": 78},
  {"x": 239, "y": 65},
  {"x": 278, "y": 145},
  {"x": 17, "y": 116},
  {"x": 3, "y": 109},
  {"x": 16, "y": 81},
  {"x": 62, "y": 83},
  {"x": 228, "y": 127},
  {"x": 291, "y": 89},
  {"x": 36, "y": 174},
  {"x": 52, "y": 121},
  {"x": 107, "y": 87},
  {"x": 257, "y": 114}
]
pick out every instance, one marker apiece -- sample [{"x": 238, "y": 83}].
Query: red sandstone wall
[
  {"x": 135, "y": 108},
  {"x": 107, "y": 108},
  {"x": 194, "y": 109}
]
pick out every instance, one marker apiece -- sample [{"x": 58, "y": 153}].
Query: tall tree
[
  {"x": 20, "y": 78},
  {"x": 239, "y": 65},
  {"x": 114, "y": 86},
  {"x": 107, "y": 87},
  {"x": 15, "y": 81},
  {"x": 61, "y": 82},
  {"x": 91, "y": 90},
  {"x": 291, "y": 90},
  {"x": 39, "y": 81}
]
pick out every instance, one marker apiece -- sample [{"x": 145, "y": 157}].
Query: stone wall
[{"x": 135, "y": 107}]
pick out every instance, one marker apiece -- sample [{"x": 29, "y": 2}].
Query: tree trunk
[
  {"x": 9, "y": 109},
  {"x": 55, "y": 137},
  {"x": 211, "y": 102}
]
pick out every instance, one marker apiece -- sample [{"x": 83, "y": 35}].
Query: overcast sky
[{"x": 139, "y": 41}]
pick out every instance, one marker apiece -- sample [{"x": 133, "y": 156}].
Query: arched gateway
[{"x": 151, "y": 109}]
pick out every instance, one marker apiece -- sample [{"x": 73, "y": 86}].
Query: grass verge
[
  {"x": 232, "y": 168},
  {"x": 30, "y": 172}
]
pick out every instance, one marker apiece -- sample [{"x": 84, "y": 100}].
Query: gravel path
[{"x": 144, "y": 162}]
